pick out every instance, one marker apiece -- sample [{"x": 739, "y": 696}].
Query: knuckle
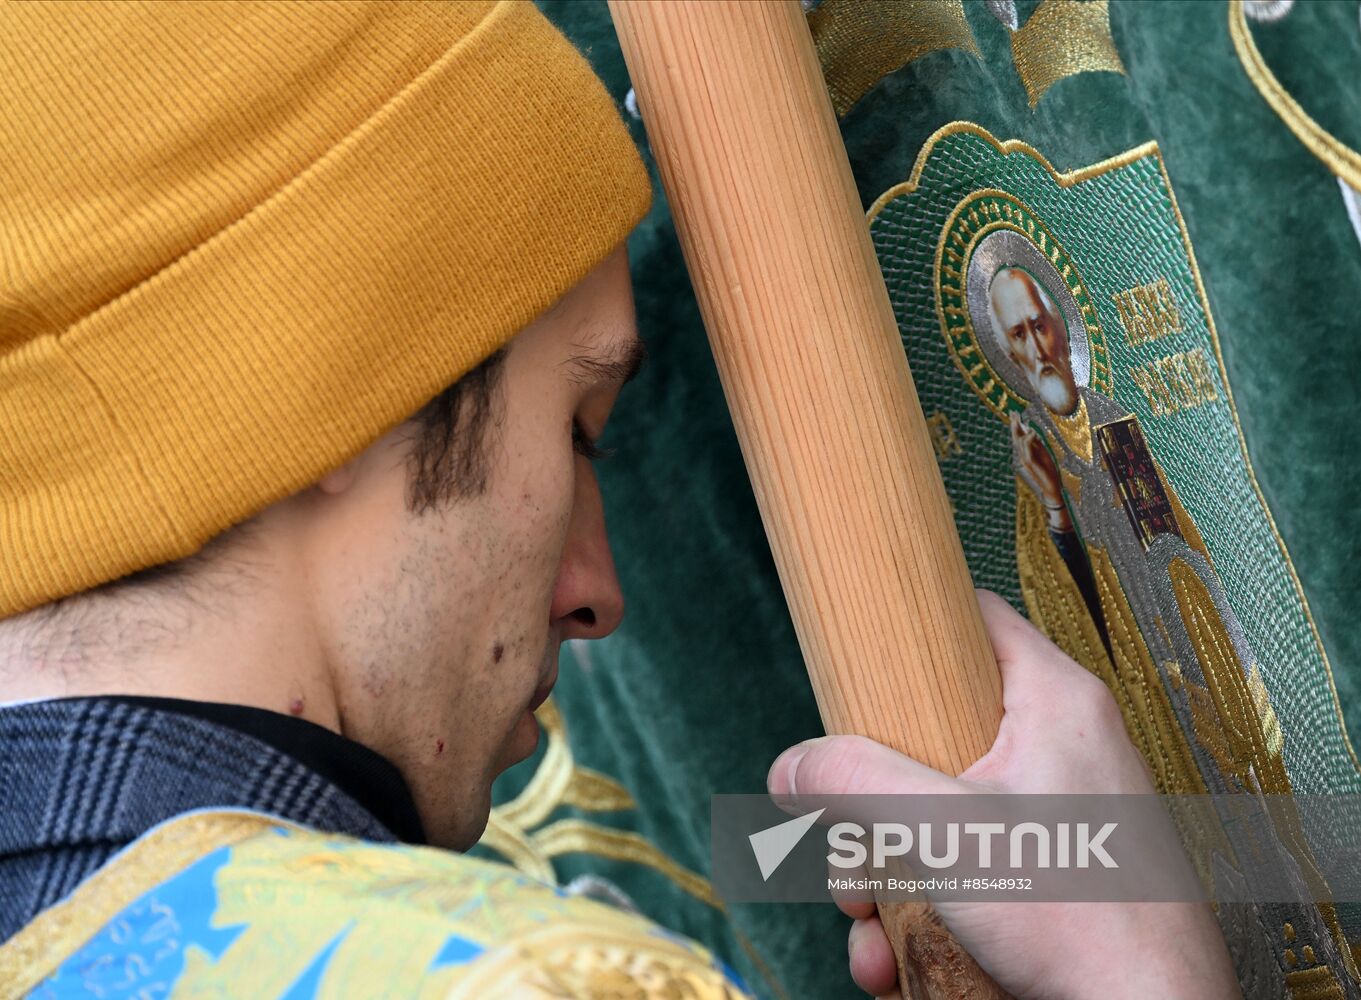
[{"x": 834, "y": 765}]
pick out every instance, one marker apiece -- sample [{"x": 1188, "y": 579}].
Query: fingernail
[{"x": 782, "y": 775}]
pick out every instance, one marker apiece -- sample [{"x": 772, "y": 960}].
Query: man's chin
[
  {"x": 523, "y": 741},
  {"x": 458, "y": 824}
]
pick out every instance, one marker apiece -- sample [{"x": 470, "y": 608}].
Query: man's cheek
[
  {"x": 559, "y": 500},
  {"x": 541, "y": 523}
]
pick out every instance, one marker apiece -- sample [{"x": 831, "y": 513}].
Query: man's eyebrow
[{"x": 617, "y": 363}]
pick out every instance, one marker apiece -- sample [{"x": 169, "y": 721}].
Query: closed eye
[{"x": 587, "y": 448}]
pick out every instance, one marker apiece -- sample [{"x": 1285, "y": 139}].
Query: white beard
[{"x": 1056, "y": 393}]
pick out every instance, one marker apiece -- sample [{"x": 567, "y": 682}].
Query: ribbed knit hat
[{"x": 240, "y": 241}]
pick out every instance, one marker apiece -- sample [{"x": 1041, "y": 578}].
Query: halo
[
  {"x": 988, "y": 231},
  {"x": 1003, "y": 248}
]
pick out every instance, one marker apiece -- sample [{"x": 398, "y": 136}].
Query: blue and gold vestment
[{"x": 237, "y": 904}]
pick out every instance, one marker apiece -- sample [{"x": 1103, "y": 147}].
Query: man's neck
[{"x": 248, "y": 645}]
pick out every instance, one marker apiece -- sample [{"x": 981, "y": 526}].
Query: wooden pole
[{"x": 815, "y": 375}]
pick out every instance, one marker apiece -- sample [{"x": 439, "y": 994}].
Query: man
[
  {"x": 312, "y": 316},
  {"x": 1173, "y": 650}
]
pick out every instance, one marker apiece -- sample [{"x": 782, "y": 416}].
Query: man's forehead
[{"x": 1015, "y": 296}]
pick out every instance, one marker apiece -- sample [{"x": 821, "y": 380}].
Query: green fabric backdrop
[{"x": 703, "y": 685}]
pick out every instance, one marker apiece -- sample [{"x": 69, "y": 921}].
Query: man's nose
[
  {"x": 587, "y": 602},
  {"x": 1034, "y": 335}
]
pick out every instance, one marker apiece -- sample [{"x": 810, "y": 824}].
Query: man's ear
[
  {"x": 339, "y": 480},
  {"x": 375, "y": 458}
]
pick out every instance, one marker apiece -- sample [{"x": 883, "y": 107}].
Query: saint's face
[{"x": 1029, "y": 327}]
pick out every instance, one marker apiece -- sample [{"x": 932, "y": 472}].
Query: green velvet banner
[{"x": 1129, "y": 182}]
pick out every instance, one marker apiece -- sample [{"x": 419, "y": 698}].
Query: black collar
[
  {"x": 367, "y": 777},
  {"x": 81, "y": 778}
]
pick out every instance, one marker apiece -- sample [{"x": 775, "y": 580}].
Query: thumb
[{"x": 850, "y": 765}]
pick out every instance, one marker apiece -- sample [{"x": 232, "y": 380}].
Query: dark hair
[{"x": 448, "y": 460}]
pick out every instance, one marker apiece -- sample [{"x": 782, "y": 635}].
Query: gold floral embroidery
[
  {"x": 1060, "y": 39},
  {"x": 860, "y": 43},
  {"x": 516, "y": 830}
]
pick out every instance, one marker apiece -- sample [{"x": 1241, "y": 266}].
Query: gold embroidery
[
  {"x": 943, "y": 437},
  {"x": 1247, "y": 741},
  {"x": 1176, "y": 506},
  {"x": 1175, "y": 382},
  {"x": 591, "y": 791},
  {"x": 1188, "y": 532},
  {"x": 1155, "y": 391},
  {"x": 1247, "y": 461},
  {"x": 1341, "y": 159},
  {"x": 1052, "y": 600},
  {"x": 1068, "y": 179},
  {"x": 1148, "y": 312},
  {"x": 515, "y": 829},
  {"x": 1318, "y": 983},
  {"x": 1008, "y": 212},
  {"x": 1174, "y": 766},
  {"x": 585, "y": 961},
  {"x": 1076, "y": 430},
  {"x": 1239, "y": 714},
  {"x": 1072, "y": 485},
  {"x": 550, "y": 778},
  {"x": 50, "y": 938},
  {"x": 569, "y": 836},
  {"x": 513, "y": 844},
  {"x": 860, "y": 43},
  {"x": 1023, "y": 547},
  {"x": 1006, "y": 147},
  {"x": 1165, "y": 744},
  {"x": 1060, "y": 39},
  {"x": 558, "y": 780},
  {"x": 1056, "y": 606},
  {"x": 1209, "y": 733},
  {"x": 1261, "y": 702}
]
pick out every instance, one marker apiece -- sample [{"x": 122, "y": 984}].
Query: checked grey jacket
[{"x": 82, "y": 778}]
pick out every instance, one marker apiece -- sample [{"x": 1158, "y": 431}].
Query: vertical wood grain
[{"x": 815, "y": 375}]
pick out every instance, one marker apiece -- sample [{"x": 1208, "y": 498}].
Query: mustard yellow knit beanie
[{"x": 240, "y": 241}]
